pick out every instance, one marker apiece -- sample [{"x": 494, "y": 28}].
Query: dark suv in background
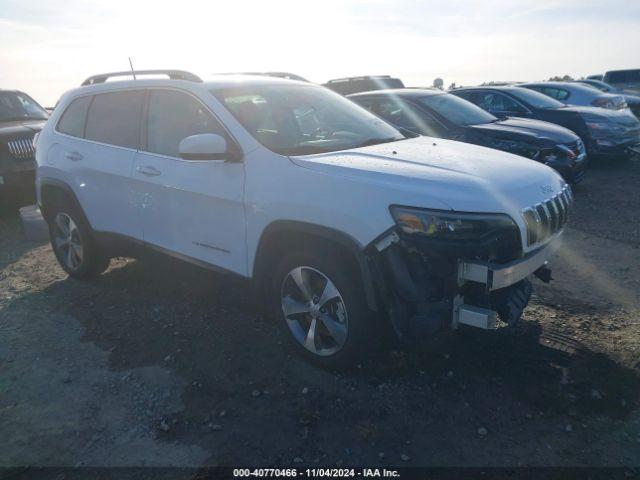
[
  {"x": 605, "y": 133},
  {"x": 438, "y": 114},
  {"x": 21, "y": 117},
  {"x": 349, "y": 85},
  {"x": 626, "y": 80}
]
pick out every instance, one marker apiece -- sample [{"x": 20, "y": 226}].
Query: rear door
[
  {"x": 191, "y": 208},
  {"x": 97, "y": 142}
]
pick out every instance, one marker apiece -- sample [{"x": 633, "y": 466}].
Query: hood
[
  {"x": 444, "y": 174},
  {"x": 623, "y": 117},
  {"x": 630, "y": 90},
  {"x": 527, "y": 129},
  {"x": 591, "y": 111},
  {"x": 19, "y": 129},
  {"x": 632, "y": 100}
]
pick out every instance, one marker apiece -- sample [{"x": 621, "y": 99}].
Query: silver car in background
[
  {"x": 633, "y": 101},
  {"x": 576, "y": 94}
]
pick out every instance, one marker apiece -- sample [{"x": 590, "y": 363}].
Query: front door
[{"x": 191, "y": 208}]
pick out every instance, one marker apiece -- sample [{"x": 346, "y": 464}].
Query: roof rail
[
  {"x": 354, "y": 79},
  {"x": 285, "y": 75},
  {"x": 172, "y": 74}
]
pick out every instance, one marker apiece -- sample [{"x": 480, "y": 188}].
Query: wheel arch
[
  {"x": 280, "y": 235},
  {"x": 50, "y": 189}
]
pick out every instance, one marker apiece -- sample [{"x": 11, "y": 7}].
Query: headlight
[
  {"x": 564, "y": 150},
  {"x": 443, "y": 225},
  {"x": 600, "y": 126},
  {"x": 516, "y": 147}
]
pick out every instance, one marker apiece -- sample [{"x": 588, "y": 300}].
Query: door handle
[
  {"x": 74, "y": 156},
  {"x": 149, "y": 171}
]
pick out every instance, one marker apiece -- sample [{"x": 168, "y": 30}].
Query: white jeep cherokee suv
[{"x": 345, "y": 224}]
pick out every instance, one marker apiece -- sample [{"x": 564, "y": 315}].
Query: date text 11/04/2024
[{"x": 316, "y": 472}]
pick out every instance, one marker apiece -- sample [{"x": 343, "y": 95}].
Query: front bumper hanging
[
  {"x": 500, "y": 276},
  {"x": 424, "y": 291},
  {"x": 506, "y": 282}
]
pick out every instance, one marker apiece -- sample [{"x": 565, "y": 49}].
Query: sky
[{"x": 50, "y": 46}]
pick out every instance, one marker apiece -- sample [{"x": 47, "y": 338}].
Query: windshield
[
  {"x": 18, "y": 106},
  {"x": 535, "y": 99},
  {"x": 457, "y": 110},
  {"x": 301, "y": 119}
]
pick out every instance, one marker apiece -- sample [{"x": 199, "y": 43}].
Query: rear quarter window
[
  {"x": 73, "y": 119},
  {"x": 114, "y": 118}
]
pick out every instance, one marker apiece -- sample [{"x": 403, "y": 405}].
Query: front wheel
[{"x": 321, "y": 305}]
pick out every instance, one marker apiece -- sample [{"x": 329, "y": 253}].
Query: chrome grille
[
  {"x": 22, "y": 148},
  {"x": 546, "y": 218}
]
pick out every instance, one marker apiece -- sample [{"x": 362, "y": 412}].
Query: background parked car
[
  {"x": 348, "y": 85},
  {"x": 21, "y": 117},
  {"x": 633, "y": 101},
  {"x": 604, "y": 132},
  {"x": 576, "y": 94},
  {"x": 627, "y": 80},
  {"x": 439, "y": 114}
]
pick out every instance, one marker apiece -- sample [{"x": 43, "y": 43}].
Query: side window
[
  {"x": 273, "y": 125},
  {"x": 172, "y": 117},
  {"x": 395, "y": 113},
  {"x": 73, "y": 118},
  {"x": 367, "y": 103},
  {"x": 114, "y": 118},
  {"x": 466, "y": 95},
  {"x": 497, "y": 102},
  {"x": 548, "y": 91},
  {"x": 557, "y": 93}
]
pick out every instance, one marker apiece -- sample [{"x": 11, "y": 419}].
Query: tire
[
  {"x": 72, "y": 241},
  {"x": 344, "y": 325}
]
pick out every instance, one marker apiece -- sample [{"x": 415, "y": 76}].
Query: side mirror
[{"x": 206, "y": 146}]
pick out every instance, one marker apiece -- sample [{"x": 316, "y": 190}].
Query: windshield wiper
[
  {"x": 376, "y": 141},
  {"x": 16, "y": 119}
]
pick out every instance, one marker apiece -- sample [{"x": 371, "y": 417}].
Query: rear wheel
[
  {"x": 322, "y": 309},
  {"x": 73, "y": 244}
]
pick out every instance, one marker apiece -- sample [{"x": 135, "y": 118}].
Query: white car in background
[{"x": 345, "y": 225}]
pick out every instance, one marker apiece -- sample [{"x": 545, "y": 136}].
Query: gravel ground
[{"x": 160, "y": 363}]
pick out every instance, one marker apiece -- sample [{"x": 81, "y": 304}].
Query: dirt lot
[{"x": 160, "y": 363}]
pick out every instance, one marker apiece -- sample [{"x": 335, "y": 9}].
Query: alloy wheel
[
  {"x": 67, "y": 241},
  {"x": 314, "y": 311}
]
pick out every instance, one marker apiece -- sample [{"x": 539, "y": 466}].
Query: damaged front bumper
[
  {"x": 497, "y": 276},
  {"x": 425, "y": 290}
]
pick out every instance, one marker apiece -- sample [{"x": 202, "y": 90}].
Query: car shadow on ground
[
  {"x": 243, "y": 379},
  {"x": 12, "y": 242},
  {"x": 207, "y": 328}
]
